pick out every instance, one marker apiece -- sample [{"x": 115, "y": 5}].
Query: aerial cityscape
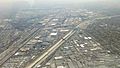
[{"x": 59, "y": 34}]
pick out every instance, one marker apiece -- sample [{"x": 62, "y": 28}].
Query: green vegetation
[{"x": 107, "y": 32}]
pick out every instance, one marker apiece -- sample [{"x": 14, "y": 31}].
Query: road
[
  {"x": 42, "y": 58},
  {"x": 4, "y": 56},
  {"x": 12, "y": 50},
  {"x": 76, "y": 55}
]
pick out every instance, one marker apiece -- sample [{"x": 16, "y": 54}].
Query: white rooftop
[
  {"x": 60, "y": 67},
  {"x": 59, "y": 57},
  {"x": 53, "y": 34}
]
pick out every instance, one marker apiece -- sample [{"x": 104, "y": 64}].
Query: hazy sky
[
  {"x": 6, "y": 5},
  {"x": 52, "y": 0},
  {"x": 70, "y": 0},
  {"x": 31, "y": 1},
  {"x": 7, "y": 2},
  {"x": 63, "y": 1},
  {"x": 56, "y": 1}
]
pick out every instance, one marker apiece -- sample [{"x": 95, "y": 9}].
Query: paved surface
[
  {"x": 12, "y": 50},
  {"x": 79, "y": 52},
  {"x": 42, "y": 58}
]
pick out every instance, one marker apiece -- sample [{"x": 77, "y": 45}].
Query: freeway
[
  {"x": 8, "y": 53},
  {"x": 78, "y": 52},
  {"x": 51, "y": 50},
  {"x": 48, "y": 52},
  {"x": 42, "y": 58},
  {"x": 12, "y": 50}
]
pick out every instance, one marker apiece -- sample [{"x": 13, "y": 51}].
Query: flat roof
[
  {"x": 60, "y": 67},
  {"x": 53, "y": 34}
]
